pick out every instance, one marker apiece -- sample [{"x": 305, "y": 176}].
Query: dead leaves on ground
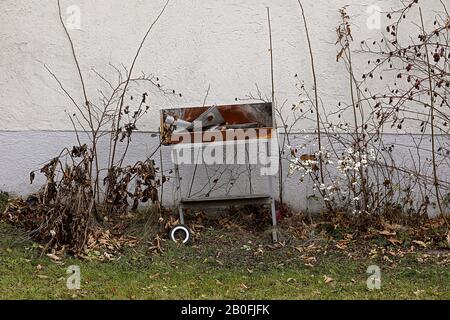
[
  {"x": 303, "y": 239},
  {"x": 53, "y": 256},
  {"x": 327, "y": 279},
  {"x": 420, "y": 243}
]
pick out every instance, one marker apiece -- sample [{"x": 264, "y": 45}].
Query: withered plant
[
  {"x": 74, "y": 200},
  {"x": 406, "y": 87}
]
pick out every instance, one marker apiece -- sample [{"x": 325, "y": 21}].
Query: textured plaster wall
[
  {"x": 222, "y": 44},
  {"x": 28, "y": 150},
  {"x": 195, "y": 44}
]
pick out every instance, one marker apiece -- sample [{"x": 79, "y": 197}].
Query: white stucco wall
[{"x": 222, "y": 44}]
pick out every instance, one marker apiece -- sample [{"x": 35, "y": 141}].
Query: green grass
[{"x": 197, "y": 272}]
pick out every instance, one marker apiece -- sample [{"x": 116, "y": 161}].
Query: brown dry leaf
[
  {"x": 53, "y": 257},
  {"x": 308, "y": 157},
  {"x": 448, "y": 238},
  {"x": 420, "y": 243},
  {"x": 154, "y": 276},
  {"x": 386, "y": 233},
  {"x": 218, "y": 282},
  {"x": 39, "y": 267},
  {"x": 108, "y": 255},
  {"x": 327, "y": 279},
  {"x": 310, "y": 259},
  {"x": 395, "y": 241},
  {"x": 243, "y": 286},
  {"x": 259, "y": 251},
  {"x": 419, "y": 292},
  {"x": 394, "y": 226},
  {"x": 392, "y": 253}
]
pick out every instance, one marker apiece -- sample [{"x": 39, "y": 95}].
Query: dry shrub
[{"x": 64, "y": 213}]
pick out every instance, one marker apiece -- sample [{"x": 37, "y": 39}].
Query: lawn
[
  {"x": 221, "y": 264},
  {"x": 204, "y": 272}
]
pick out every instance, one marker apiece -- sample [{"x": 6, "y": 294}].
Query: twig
[
  {"x": 433, "y": 147},
  {"x": 316, "y": 94}
]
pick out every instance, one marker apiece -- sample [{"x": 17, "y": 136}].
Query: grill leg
[
  {"x": 180, "y": 212},
  {"x": 272, "y": 204},
  {"x": 178, "y": 180},
  {"x": 274, "y": 220}
]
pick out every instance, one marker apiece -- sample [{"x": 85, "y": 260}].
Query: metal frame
[{"x": 184, "y": 203}]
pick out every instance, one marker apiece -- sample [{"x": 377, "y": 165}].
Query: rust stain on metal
[{"x": 221, "y": 118}]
